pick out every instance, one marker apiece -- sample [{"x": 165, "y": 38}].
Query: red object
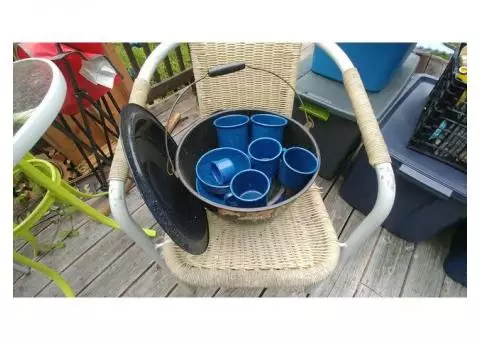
[{"x": 50, "y": 51}]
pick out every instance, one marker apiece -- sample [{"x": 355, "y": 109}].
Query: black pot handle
[{"x": 225, "y": 69}]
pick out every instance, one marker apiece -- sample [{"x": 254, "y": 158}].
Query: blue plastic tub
[
  {"x": 430, "y": 195},
  {"x": 376, "y": 62},
  {"x": 455, "y": 264},
  {"x": 337, "y": 131}
]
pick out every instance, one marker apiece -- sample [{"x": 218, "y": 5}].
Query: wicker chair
[{"x": 298, "y": 247}]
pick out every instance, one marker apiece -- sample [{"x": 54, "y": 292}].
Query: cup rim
[
  {"x": 263, "y": 159},
  {"x": 298, "y": 171},
  {"x": 207, "y": 153},
  {"x": 250, "y": 200},
  {"x": 207, "y": 194},
  {"x": 216, "y": 124},
  {"x": 284, "y": 121}
]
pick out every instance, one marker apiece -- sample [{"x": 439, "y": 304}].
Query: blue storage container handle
[{"x": 414, "y": 176}]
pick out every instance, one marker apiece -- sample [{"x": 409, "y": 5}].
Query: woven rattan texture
[
  {"x": 247, "y": 88},
  {"x": 372, "y": 138},
  {"x": 298, "y": 247}
]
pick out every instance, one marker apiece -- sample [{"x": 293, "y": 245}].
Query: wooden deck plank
[
  {"x": 90, "y": 265},
  {"x": 90, "y": 233},
  {"x": 186, "y": 104},
  {"x": 426, "y": 274},
  {"x": 345, "y": 278},
  {"x": 45, "y": 232},
  {"x": 77, "y": 219},
  {"x": 162, "y": 107},
  {"x": 16, "y": 275},
  {"x": 181, "y": 291},
  {"x": 388, "y": 267},
  {"x": 324, "y": 184},
  {"x": 364, "y": 291},
  {"x": 187, "y": 107},
  {"x": 189, "y": 118},
  {"x": 337, "y": 208},
  {"x": 122, "y": 273},
  {"x": 451, "y": 288},
  {"x": 155, "y": 282},
  {"x": 285, "y": 292},
  {"x": 239, "y": 292}
]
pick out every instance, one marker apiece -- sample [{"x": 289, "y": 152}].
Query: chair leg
[
  {"x": 79, "y": 193},
  {"x": 22, "y": 269},
  {"x": 32, "y": 241},
  {"x": 66, "y": 196},
  {"x": 50, "y": 273}
]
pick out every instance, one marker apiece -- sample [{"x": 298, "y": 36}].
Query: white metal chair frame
[{"x": 371, "y": 136}]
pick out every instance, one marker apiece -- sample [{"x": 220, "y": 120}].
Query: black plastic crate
[{"x": 441, "y": 131}]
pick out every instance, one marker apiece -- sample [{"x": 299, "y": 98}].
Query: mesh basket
[{"x": 441, "y": 131}]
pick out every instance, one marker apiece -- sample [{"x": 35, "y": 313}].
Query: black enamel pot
[{"x": 202, "y": 137}]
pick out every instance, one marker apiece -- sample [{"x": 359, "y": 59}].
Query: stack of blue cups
[{"x": 240, "y": 172}]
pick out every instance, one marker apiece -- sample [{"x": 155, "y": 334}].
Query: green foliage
[
  {"x": 140, "y": 56},
  {"x": 442, "y": 55},
  {"x": 26, "y": 194}
]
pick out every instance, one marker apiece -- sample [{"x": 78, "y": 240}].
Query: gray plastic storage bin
[
  {"x": 430, "y": 195},
  {"x": 338, "y": 136}
]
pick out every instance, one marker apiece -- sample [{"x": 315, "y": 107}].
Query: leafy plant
[{"x": 26, "y": 195}]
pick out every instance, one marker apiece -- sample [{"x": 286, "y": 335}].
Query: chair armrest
[
  {"x": 119, "y": 169},
  {"x": 375, "y": 146}
]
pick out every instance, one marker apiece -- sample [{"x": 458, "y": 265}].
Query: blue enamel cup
[
  {"x": 297, "y": 166},
  {"x": 268, "y": 125},
  {"x": 205, "y": 169},
  {"x": 248, "y": 189},
  {"x": 232, "y": 131},
  {"x": 265, "y": 155}
]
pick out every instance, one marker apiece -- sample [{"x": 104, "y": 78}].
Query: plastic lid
[
  {"x": 179, "y": 213},
  {"x": 331, "y": 94},
  {"x": 399, "y": 126}
]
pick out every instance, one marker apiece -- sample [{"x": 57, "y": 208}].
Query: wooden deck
[{"x": 101, "y": 262}]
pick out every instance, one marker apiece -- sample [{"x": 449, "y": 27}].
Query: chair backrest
[{"x": 247, "y": 88}]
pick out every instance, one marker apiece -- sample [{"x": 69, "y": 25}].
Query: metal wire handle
[{"x": 219, "y": 71}]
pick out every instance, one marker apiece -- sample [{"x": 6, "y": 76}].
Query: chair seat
[{"x": 297, "y": 248}]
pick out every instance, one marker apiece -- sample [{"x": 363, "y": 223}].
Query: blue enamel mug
[
  {"x": 232, "y": 131},
  {"x": 265, "y": 155},
  {"x": 268, "y": 125},
  {"x": 297, "y": 166},
  {"x": 248, "y": 189},
  {"x": 206, "y": 168}
]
